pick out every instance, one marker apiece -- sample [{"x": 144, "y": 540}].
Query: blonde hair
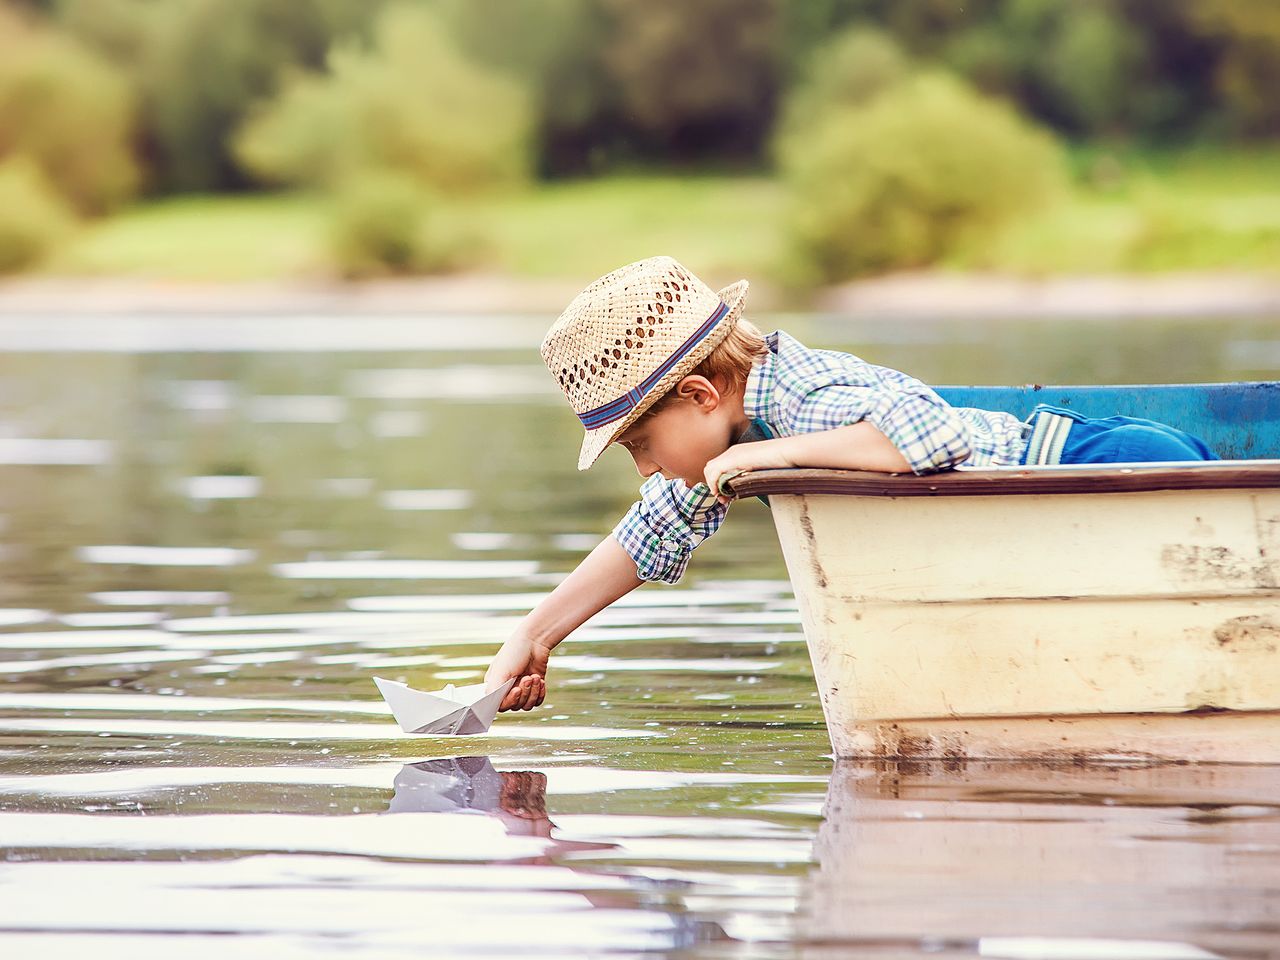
[{"x": 727, "y": 366}]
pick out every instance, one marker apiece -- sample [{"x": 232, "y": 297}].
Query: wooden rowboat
[{"x": 1064, "y": 612}]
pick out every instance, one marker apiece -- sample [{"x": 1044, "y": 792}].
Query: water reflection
[
  {"x": 1021, "y": 860},
  {"x": 517, "y": 798}
]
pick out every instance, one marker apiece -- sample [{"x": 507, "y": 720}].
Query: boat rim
[{"x": 1013, "y": 480}]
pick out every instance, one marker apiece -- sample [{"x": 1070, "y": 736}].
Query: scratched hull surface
[{"x": 1124, "y": 624}]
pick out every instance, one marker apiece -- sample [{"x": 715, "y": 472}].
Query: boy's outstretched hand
[{"x": 527, "y": 662}]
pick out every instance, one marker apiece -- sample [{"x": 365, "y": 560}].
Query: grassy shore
[{"x": 1130, "y": 214}]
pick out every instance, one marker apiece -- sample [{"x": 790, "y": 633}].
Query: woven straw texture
[{"x": 622, "y": 328}]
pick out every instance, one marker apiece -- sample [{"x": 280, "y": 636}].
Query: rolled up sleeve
[
  {"x": 924, "y": 428},
  {"x": 663, "y": 527}
]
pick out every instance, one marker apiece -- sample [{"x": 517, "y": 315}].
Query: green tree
[
  {"x": 616, "y": 82},
  {"x": 856, "y": 66},
  {"x": 34, "y": 218},
  {"x": 200, "y": 65},
  {"x": 1147, "y": 69},
  {"x": 411, "y": 103},
  {"x": 210, "y": 61},
  {"x": 70, "y": 111},
  {"x": 904, "y": 179},
  {"x": 554, "y": 49},
  {"x": 695, "y": 79},
  {"x": 1247, "y": 74}
]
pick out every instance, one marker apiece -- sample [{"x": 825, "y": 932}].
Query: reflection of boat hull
[
  {"x": 1053, "y": 612},
  {"x": 950, "y": 852}
]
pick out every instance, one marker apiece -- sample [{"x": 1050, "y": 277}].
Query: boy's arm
[
  {"x": 653, "y": 541},
  {"x": 884, "y": 428},
  {"x": 603, "y": 576},
  {"x": 856, "y": 446}
]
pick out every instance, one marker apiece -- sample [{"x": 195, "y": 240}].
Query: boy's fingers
[
  {"x": 524, "y": 695},
  {"x": 514, "y": 696},
  {"x": 530, "y": 695},
  {"x": 722, "y": 482}
]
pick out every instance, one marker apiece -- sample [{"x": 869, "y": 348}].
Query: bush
[
  {"x": 33, "y": 217},
  {"x": 903, "y": 180},
  {"x": 200, "y": 65},
  {"x": 384, "y": 222},
  {"x": 413, "y": 104},
  {"x": 70, "y": 111},
  {"x": 848, "y": 72}
]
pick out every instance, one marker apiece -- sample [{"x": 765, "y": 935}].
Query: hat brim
[{"x": 597, "y": 441}]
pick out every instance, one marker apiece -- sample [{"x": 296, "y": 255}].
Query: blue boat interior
[{"x": 1239, "y": 421}]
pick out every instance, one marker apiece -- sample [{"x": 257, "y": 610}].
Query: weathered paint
[
  {"x": 979, "y": 626},
  {"x": 1239, "y": 421}
]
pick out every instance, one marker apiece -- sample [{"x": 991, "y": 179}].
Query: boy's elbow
[{"x": 944, "y": 456}]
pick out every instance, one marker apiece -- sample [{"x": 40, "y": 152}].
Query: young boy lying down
[{"x": 651, "y": 358}]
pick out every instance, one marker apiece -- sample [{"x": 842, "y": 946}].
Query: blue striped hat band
[{"x": 617, "y": 409}]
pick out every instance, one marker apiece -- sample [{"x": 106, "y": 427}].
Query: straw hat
[{"x": 630, "y": 337}]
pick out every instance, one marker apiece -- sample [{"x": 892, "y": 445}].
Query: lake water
[{"x": 214, "y": 531}]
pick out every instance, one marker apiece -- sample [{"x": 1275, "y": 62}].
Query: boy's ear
[{"x": 695, "y": 386}]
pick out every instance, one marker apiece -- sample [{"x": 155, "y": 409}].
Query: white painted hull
[{"x": 1089, "y": 625}]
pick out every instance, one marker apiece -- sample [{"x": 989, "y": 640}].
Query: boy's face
[{"x": 678, "y": 441}]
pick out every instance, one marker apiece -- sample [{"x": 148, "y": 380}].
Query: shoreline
[{"x": 906, "y": 296}]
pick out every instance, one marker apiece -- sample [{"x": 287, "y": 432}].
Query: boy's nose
[{"x": 646, "y": 466}]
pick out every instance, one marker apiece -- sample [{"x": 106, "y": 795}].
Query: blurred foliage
[
  {"x": 33, "y": 216},
  {"x": 114, "y": 97},
  {"x": 856, "y": 66},
  {"x": 696, "y": 78},
  {"x": 411, "y": 103},
  {"x": 1146, "y": 69},
  {"x": 905, "y": 178},
  {"x": 70, "y": 111},
  {"x": 1248, "y": 77},
  {"x": 624, "y": 83},
  {"x": 551, "y": 47},
  {"x": 200, "y": 65},
  {"x": 385, "y": 222}
]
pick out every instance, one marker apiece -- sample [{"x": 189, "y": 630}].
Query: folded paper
[{"x": 453, "y": 710}]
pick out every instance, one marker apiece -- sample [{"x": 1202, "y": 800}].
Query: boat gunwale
[{"x": 1013, "y": 480}]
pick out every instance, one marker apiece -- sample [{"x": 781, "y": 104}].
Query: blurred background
[{"x": 802, "y": 143}]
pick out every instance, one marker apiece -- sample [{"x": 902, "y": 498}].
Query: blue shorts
[{"x": 1062, "y": 435}]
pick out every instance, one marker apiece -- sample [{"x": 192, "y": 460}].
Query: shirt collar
[{"x": 757, "y": 394}]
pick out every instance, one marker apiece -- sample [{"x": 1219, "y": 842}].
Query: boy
[{"x": 651, "y": 358}]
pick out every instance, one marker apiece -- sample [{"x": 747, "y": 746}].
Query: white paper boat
[{"x": 453, "y": 710}]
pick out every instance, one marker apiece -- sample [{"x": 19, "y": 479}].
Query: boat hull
[{"x": 1069, "y": 625}]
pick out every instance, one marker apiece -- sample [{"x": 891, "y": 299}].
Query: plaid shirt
[{"x": 795, "y": 389}]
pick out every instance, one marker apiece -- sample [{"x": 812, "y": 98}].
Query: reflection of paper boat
[
  {"x": 436, "y": 786},
  {"x": 452, "y": 710}
]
